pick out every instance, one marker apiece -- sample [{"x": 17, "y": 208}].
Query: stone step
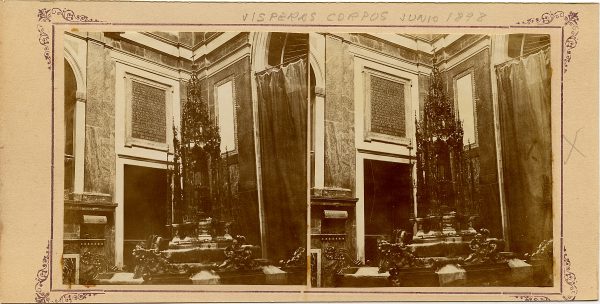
[
  {"x": 265, "y": 275},
  {"x": 514, "y": 272},
  {"x": 200, "y": 255}
]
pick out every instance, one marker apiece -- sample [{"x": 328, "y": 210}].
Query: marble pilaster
[
  {"x": 99, "y": 162},
  {"x": 339, "y": 115}
]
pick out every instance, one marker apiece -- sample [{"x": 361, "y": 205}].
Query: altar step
[
  {"x": 265, "y": 275},
  {"x": 514, "y": 272}
]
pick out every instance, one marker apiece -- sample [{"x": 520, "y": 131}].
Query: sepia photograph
[
  {"x": 185, "y": 158},
  {"x": 431, "y": 161}
]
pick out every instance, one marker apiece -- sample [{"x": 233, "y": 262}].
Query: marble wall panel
[
  {"x": 97, "y": 160},
  {"x": 146, "y": 52},
  {"x": 132, "y": 48},
  {"x": 109, "y": 101},
  {"x": 169, "y": 60},
  {"x": 461, "y": 44},
  {"x": 227, "y": 48},
  {"x": 198, "y": 37},
  {"x": 423, "y": 89},
  {"x": 99, "y": 166},
  {"x": 183, "y": 91},
  {"x": 339, "y": 115},
  {"x": 152, "y": 55},
  {"x": 186, "y": 38}
]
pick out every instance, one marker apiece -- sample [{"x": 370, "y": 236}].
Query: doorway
[
  {"x": 387, "y": 201},
  {"x": 145, "y": 203}
]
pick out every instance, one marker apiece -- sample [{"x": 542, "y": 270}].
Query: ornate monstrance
[
  {"x": 196, "y": 175},
  {"x": 441, "y": 175},
  {"x": 201, "y": 151}
]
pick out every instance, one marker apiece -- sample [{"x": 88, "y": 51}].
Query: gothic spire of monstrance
[{"x": 439, "y": 151}]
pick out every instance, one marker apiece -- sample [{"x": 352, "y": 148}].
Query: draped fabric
[
  {"x": 525, "y": 109},
  {"x": 282, "y": 105}
]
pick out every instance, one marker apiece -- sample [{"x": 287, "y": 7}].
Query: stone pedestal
[
  {"x": 520, "y": 271},
  {"x": 451, "y": 275},
  {"x": 498, "y": 274},
  {"x": 363, "y": 277},
  {"x": 205, "y": 277},
  {"x": 274, "y": 275}
]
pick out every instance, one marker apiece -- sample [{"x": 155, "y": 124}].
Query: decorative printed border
[
  {"x": 43, "y": 296},
  {"x": 45, "y": 15},
  {"x": 570, "y": 20},
  {"x": 44, "y": 40},
  {"x": 569, "y": 277},
  {"x": 533, "y": 298}
]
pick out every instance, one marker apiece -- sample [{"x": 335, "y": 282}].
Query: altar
[{"x": 204, "y": 264}]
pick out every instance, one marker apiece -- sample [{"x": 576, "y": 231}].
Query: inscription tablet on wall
[
  {"x": 387, "y": 107},
  {"x": 148, "y": 113}
]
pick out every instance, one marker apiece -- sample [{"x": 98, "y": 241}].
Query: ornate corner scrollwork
[
  {"x": 45, "y": 15},
  {"x": 570, "y": 20},
  {"x": 44, "y": 40},
  {"x": 532, "y": 298},
  {"x": 569, "y": 277},
  {"x": 43, "y": 296}
]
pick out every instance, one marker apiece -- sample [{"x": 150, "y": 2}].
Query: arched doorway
[
  {"x": 285, "y": 48},
  {"x": 282, "y": 106}
]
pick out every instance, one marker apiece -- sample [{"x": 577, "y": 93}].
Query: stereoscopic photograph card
[{"x": 219, "y": 152}]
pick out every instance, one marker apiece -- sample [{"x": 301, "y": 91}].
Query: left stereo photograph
[{"x": 185, "y": 158}]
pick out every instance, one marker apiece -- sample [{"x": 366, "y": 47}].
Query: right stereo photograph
[{"x": 431, "y": 160}]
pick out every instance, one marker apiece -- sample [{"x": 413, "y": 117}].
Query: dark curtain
[
  {"x": 524, "y": 103},
  {"x": 282, "y": 103}
]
